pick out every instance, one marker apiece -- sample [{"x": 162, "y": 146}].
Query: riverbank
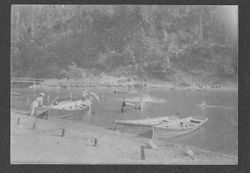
[
  {"x": 127, "y": 84},
  {"x": 46, "y": 144},
  {"x": 171, "y": 86}
]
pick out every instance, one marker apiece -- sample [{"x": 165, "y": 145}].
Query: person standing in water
[
  {"x": 38, "y": 102},
  {"x": 85, "y": 99},
  {"x": 124, "y": 105},
  {"x": 139, "y": 105},
  {"x": 84, "y": 95}
]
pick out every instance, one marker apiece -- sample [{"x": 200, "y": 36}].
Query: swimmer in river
[
  {"x": 124, "y": 105},
  {"x": 139, "y": 105}
]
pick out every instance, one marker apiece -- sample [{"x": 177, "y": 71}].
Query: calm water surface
[{"x": 219, "y": 133}]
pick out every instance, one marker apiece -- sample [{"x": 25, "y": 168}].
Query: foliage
[
  {"x": 74, "y": 72},
  {"x": 146, "y": 41}
]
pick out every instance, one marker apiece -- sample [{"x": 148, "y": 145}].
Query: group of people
[
  {"x": 38, "y": 102},
  {"x": 125, "y": 104}
]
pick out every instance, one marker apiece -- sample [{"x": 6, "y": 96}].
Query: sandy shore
[{"x": 46, "y": 144}]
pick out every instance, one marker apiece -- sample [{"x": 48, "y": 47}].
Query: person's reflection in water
[{"x": 86, "y": 115}]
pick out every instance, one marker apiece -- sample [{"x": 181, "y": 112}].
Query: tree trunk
[
  {"x": 32, "y": 21},
  {"x": 201, "y": 27},
  {"x": 17, "y": 22}
]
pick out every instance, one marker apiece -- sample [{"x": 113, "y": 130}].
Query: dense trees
[{"x": 147, "y": 41}]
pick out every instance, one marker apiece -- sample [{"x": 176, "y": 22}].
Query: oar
[
  {"x": 203, "y": 106},
  {"x": 95, "y": 96},
  {"x": 224, "y": 107},
  {"x": 130, "y": 104}
]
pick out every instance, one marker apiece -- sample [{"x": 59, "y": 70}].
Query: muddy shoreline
[{"x": 45, "y": 144}]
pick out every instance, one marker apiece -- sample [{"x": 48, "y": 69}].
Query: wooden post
[
  {"x": 142, "y": 152},
  {"x": 95, "y": 144},
  {"x": 48, "y": 99},
  {"x": 63, "y": 131},
  {"x": 153, "y": 129},
  {"x": 34, "y": 126},
  {"x": 71, "y": 96},
  {"x": 28, "y": 101},
  {"x": 18, "y": 121},
  {"x": 113, "y": 128}
]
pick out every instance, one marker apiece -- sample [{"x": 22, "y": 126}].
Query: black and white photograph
[{"x": 124, "y": 84}]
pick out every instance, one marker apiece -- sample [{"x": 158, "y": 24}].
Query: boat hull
[
  {"x": 70, "y": 106},
  {"x": 161, "y": 132},
  {"x": 148, "y": 122},
  {"x": 144, "y": 122}
]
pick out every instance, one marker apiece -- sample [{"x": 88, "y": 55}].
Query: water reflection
[{"x": 87, "y": 117}]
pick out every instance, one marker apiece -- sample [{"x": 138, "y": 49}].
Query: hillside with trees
[{"x": 167, "y": 43}]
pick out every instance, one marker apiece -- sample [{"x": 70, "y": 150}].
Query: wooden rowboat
[
  {"x": 70, "y": 105},
  {"x": 75, "y": 105},
  {"x": 179, "y": 127},
  {"x": 148, "y": 122}
]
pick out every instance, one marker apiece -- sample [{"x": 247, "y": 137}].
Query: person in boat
[
  {"x": 38, "y": 102},
  {"x": 85, "y": 99},
  {"x": 84, "y": 95},
  {"x": 124, "y": 105},
  {"x": 55, "y": 101}
]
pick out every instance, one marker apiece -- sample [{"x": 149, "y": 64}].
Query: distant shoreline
[
  {"x": 128, "y": 83},
  {"x": 232, "y": 87}
]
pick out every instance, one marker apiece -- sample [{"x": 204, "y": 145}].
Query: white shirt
[{"x": 39, "y": 100}]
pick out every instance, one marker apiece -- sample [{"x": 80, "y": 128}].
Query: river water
[{"x": 219, "y": 133}]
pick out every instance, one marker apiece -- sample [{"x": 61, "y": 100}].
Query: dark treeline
[{"x": 143, "y": 41}]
